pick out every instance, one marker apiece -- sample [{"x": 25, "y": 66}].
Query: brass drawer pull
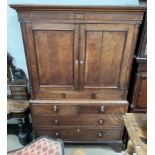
[
  {"x": 57, "y": 134},
  {"x": 78, "y": 130},
  {"x": 100, "y": 134},
  {"x": 101, "y": 121},
  {"x": 55, "y": 108},
  {"x": 56, "y": 121},
  {"x": 102, "y": 109}
]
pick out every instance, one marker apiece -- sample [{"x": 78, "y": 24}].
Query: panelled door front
[
  {"x": 53, "y": 52},
  {"x": 105, "y": 55}
]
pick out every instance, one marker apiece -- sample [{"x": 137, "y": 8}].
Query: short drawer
[
  {"x": 18, "y": 88},
  {"x": 81, "y": 134},
  {"x": 52, "y": 109},
  {"x": 103, "y": 108},
  {"x": 82, "y": 120}
]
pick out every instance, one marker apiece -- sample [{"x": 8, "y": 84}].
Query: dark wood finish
[
  {"x": 75, "y": 120},
  {"x": 138, "y": 82},
  {"x": 141, "y": 86},
  {"x": 51, "y": 76},
  {"x": 118, "y": 147},
  {"x": 77, "y": 107},
  {"x": 138, "y": 86},
  {"x": 103, "y": 109},
  {"x": 75, "y": 134},
  {"x": 141, "y": 50},
  {"x": 57, "y": 41},
  {"x": 56, "y": 29},
  {"x": 79, "y": 62},
  {"x": 104, "y": 48},
  {"x": 85, "y": 95}
]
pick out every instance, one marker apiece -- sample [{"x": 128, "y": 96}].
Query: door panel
[
  {"x": 55, "y": 48},
  {"x": 141, "y": 92},
  {"x": 103, "y": 50}
]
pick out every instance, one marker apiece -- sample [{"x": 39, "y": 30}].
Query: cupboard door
[
  {"x": 105, "y": 55},
  {"x": 140, "y": 93},
  {"x": 53, "y": 51}
]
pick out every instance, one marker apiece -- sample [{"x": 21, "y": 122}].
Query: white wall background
[{"x": 14, "y": 42}]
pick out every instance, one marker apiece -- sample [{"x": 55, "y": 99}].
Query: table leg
[
  {"x": 130, "y": 149},
  {"x": 26, "y": 120},
  {"x": 24, "y": 137}
]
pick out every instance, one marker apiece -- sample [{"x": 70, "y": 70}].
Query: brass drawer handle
[
  {"x": 102, "y": 109},
  {"x": 100, "y": 134},
  {"x": 55, "y": 108},
  {"x": 57, "y": 134},
  {"x": 101, "y": 121},
  {"x": 55, "y": 121},
  {"x": 78, "y": 130}
]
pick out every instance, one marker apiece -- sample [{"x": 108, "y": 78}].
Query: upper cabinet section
[{"x": 79, "y": 52}]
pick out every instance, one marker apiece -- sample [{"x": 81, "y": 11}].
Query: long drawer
[
  {"x": 81, "y": 133},
  {"x": 66, "y": 108},
  {"x": 76, "y": 120}
]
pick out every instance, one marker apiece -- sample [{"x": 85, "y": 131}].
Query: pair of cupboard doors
[{"x": 76, "y": 56}]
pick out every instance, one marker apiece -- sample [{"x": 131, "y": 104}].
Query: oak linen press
[{"x": 79, "y": 61}]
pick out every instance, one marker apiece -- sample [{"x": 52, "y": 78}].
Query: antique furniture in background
[
  {"x": 79, "y": 60},
  {"x": 20, "y": 110},
  {"x": 17, "y": 103},
  {"x": 19, "y": 90},
  {"x": 138, "y": 84},
  {"x": 16, "y": 80},
  {"x": 136, "y": 125}
]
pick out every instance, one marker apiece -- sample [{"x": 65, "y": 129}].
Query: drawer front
[
  {"x": 142, "y": 67},
  {"x": 18, "y": 88},
  {"x": 80, "y": 134},
  {"x": 82, "y": 120},
  {"x": 18, "y": 93},
  {"x": 54, "y": 109},
  {"x": 103, "y": 109},
  {"x": 19, "y": 97},
  {"x": 78, "y": 108}
]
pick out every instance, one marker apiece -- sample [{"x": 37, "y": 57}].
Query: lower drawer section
[
  {"x": 81, "y": 133},
  {"x": 76, "y": 120}
]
